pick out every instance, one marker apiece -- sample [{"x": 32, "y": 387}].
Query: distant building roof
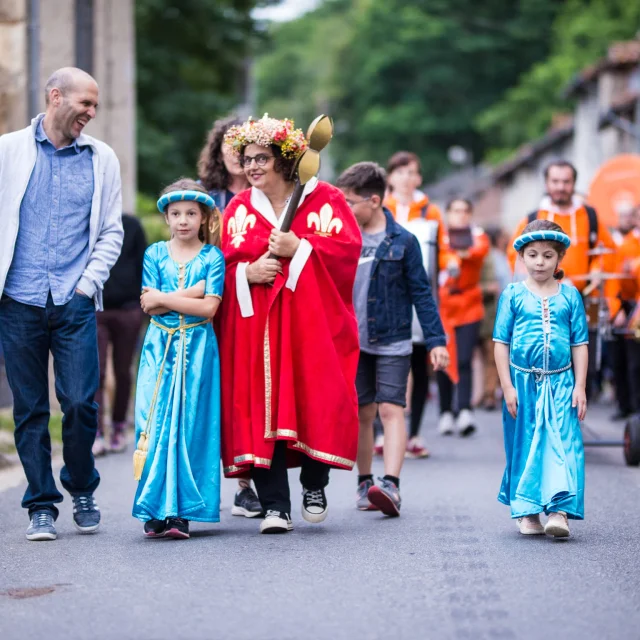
[
  {"x": 621, "y": 55},
  {"x": 528, "y": 152}
]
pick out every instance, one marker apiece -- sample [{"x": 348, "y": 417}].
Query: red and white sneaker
[
  {"x": 386, "y": 497},
  {"x": 415, "y": 449}
]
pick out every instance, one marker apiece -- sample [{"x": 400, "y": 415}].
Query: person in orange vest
[
  {"x": 579, "y": 221},
  {"x": 462, "y": 255},
  {"x": 625, "y": 353},
  {"x": 404, "y": 198}
]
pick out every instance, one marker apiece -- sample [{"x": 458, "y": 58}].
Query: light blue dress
[
  {"x": 181, "y": 369},
  {"x": 543, "y": 445}
]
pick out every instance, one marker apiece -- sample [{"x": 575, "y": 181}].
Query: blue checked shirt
[{"x": 52, "y": 246}]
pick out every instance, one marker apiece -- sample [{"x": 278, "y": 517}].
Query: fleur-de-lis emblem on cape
[
  {"x": 324, "y": 222},
  {"x": 239, "y": 224}
]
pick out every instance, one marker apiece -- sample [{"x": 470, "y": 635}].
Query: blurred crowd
[{"x": 468, "y": 267}]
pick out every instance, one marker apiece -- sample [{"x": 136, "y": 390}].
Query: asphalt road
[{"x": 452, "y": 566}]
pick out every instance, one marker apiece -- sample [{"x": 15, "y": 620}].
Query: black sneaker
[
  {"x": 177, "y": 528},
  {"x": 386, "y": 497},
  {"x": 314, "y": 505},
  {"x": 41, "y": 527},
  {"x": 155, "y": 528},
  {"x": 246, "y": 504},
  {"x": 86, "y": 515},
  {"x": 276, "y": 522}
]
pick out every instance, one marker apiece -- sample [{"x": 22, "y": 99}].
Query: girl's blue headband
[
  {"x": 177, "y": 196},
  {"x": 537, "y": 236}
]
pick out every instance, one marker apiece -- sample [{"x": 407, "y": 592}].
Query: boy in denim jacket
[{"x": 390, "y": 281}]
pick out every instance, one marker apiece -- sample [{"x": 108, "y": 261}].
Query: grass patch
[{"x": 7, "y": 425}]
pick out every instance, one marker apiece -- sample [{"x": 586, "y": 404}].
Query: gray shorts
[{"x": 382, "y": 379}]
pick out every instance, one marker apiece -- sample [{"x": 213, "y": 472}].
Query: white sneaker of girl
[
  {"x": 557, "y": 525},
  {"x": 530, "y": 525}
]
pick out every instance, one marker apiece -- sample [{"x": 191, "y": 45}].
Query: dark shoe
[
  {"x": 314, "y": 505},
  {"x": 41, "y": 527},
  {"x": 155, "y": 528},
  {"x": 362, "y": 498},
  {"x": 246, "y": 504},
  {"x": 177, "y": 528},
  {"x": 276, "y": 522},
  {"x": 386, "y": 497},
  {"x": 86, "y": 515}
]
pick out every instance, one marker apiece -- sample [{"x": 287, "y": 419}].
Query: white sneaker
[
  {"x": 99, "y": 447},
  {"x": 276, "y": 522},
  {"x": 530, "y": 526},
  {"x": 465, "y": 423},
  {"x": 314, "y": 505},
  {"x": 445, "y": 424},
  {"x": 557, "y": 525}
]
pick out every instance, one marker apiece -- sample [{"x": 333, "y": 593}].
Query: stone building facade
[{"x": 39, "y": 36}]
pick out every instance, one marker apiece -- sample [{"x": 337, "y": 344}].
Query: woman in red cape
[{"x": 289, "y": 337}]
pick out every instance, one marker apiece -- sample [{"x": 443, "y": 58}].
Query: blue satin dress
[
  {"x": 543, "y": 445},
  {"x": 180, "y": 368}
]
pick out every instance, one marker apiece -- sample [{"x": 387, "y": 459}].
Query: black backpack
[{"x": 593, "y": 224}]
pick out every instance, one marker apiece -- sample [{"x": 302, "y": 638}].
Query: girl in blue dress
[
  {"x": 177, "y": 413},
  {"x": 541, "y": 353}
]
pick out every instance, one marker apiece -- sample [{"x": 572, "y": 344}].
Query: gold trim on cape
[
  {"x": 326, "y": 457},
  {"x": 267, "y": 381}
]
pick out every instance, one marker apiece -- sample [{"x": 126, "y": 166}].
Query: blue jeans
[{"x": 69, "y": 331}]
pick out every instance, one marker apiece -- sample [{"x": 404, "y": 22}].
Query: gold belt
[{"x": 181, "y": 327}]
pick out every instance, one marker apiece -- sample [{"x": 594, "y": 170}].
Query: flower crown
[{"x": 265, "y": 132}]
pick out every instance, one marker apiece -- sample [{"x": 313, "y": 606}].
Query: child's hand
[
  {"x": 580, "y": 400},
  {"x": 511, "y": 400},
  {"x": 439, "y": 358},
  {"x": 150, "y": 299}
]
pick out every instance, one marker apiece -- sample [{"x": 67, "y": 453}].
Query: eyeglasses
[
  {"x": 352, "y": 204},
  {"x": 261, "y": 160}
]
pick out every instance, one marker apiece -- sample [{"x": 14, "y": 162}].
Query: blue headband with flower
[
  {"x": 177, "y": 196},
  {"x": 542, "y": 235}
]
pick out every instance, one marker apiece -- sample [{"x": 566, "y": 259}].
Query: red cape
[{"x": 288, "y": 371}]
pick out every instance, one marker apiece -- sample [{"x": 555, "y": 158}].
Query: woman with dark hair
[
  {"x": 462, "y": 255},
  {"x": 219, "y": 169},
  {"x": 222, "y": 175},
  {"x": 290, "y": 340}
]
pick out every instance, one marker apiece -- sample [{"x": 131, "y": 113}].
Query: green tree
[
  {"x": 581, "y": 34},
  {"x": 190, "y": 70},
  {"x": 403, "y": 75}
]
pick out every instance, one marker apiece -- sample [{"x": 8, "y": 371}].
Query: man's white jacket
[{"x": 18, "y": 153}]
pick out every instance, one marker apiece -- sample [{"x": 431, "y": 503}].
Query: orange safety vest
[{"x": 576, "y": 261}]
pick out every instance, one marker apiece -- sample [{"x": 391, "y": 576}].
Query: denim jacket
[{"x": 398, "y": 283}]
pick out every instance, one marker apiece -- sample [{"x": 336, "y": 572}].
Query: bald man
[{"x": 60, "y": 234}]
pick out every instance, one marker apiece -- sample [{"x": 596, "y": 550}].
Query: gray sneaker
[
  {"x": 86, "y": 515},
  {"x": 41, "y": 526},
  {"x": 386, "y": 497},
  {"x": 362, "y": 499}
]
